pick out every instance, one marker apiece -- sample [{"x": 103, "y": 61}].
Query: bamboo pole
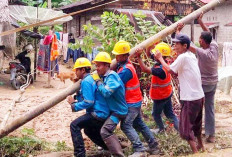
[
  {"x": 60, "y": 97},
  {"x": 165, "y": 32},
  {"x": 39, "y": 110},
  {"x": 50, "y": 20},
  {"x": 49, "y": 4}
]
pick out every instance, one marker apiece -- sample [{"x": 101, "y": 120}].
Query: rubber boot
[{"x": 114, "y": 146}]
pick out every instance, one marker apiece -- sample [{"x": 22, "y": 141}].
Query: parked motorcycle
[
  {"x": 18, "y": 75},
  {"x": 20, "y": 71}
]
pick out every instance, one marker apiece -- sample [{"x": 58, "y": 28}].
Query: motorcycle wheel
[{"x": 18, "y": 81}]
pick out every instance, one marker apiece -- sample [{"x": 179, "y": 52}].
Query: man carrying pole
[
  {"x": 112, "y": 88},
  {"x": 97, "y": 110},
  {"x": 207, "y": 57},
  {"x": 161, "y": 88},
  {"x": 133, "y": 120},
  {"x": 191, "y": 92}
]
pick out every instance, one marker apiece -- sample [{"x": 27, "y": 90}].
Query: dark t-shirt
[
  {"x": 25, "y": 61},
  {"x": 159, "y": 72}
]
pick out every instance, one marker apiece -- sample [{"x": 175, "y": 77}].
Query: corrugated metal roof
[
  {"x": 157, "y": 17},
  {"x": 212, "y": 24},
  {"x": 76, "y": 4},
  {"x": 205, "y": 1},
  {"x": 228, "y": 24}
]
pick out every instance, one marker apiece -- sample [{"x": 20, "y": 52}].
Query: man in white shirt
[
  {"x": 191, "y": 92},
  {"x": 207, "y": 56}
]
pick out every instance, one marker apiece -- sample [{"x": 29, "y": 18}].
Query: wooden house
[{"x": 162, "y": 11}]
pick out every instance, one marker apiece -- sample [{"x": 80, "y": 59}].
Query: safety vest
[
  {"x": 133, "y": 92},
  {"x": 160, "y": 89}
]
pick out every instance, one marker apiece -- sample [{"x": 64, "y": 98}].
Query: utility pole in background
[{"x": 49, "y": 4}]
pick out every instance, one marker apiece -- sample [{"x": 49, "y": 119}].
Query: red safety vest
[
  {"x": 133, "y": 92},
  {"x": 160, "y": 89}
]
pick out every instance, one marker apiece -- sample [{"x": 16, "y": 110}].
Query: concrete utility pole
[
  {"x": 75, "y": 87},
  {"x": 49, "y": 4}
]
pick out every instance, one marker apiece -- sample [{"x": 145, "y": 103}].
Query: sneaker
[
  {"x": 157, "y": 131},
  {"x": 210, "y": 139},
  {"x": 138, "y": 154}
]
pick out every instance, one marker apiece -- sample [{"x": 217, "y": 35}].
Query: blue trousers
[
  {"x": 132, "y": 123},
  {"x": 91, "y": 128},
  {"x": 165, "y": 106}
]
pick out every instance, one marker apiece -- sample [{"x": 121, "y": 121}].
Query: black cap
[{"x": 182, "y": 38}]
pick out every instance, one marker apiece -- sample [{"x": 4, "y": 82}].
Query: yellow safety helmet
[
  {"x": 121, "y": 47},
  {"x": 81, "y": 62},
  {"x": 102, "y": 57},
  {"x": 164, "y": 49}
]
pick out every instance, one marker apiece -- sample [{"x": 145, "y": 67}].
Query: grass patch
[
  {"x": 171, "y": 144},
  {"x": 27, "y": 145}
]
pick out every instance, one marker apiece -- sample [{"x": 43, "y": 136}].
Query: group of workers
[{"x": 112, "y": 95}]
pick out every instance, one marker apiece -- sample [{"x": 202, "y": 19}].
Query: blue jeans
[
  {"x": 132, "y": 123},
  {"x": 166, "y": 106}
]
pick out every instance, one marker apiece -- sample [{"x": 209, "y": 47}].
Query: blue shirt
[
  {"x": 125, "y": 76},
  {"x": 91, "y": 99},
  {"x": 113, "y": 90}
]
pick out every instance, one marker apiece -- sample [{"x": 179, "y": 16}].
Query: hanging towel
[
  {"x": 57, "y": 35},
  {"x": 54, "y": 48},
  {"x": 47, "y": 40},
  {"x": 227, "y": 54},
  {"x": 65, "y": 38}
]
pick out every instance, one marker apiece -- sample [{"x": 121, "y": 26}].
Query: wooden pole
[
  {"x": 39, "y": 110},
  {"x": 169, "y": 30},
  {"x": 192, "y": 31},
  {"x": 75, "y": 87},
  {"x": 49, "y": 4},
  {"x": 36, "y": 52},
  {"x": 50, "y": 20}
]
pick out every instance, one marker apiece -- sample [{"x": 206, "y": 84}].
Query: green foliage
[
  {"x": 118, "y": 27},
  {"x": 61, "y": 146},
  {"x": 177, "y": 18},
  {"x": 20, "y": 146},
  {"x": 16, "y": 146},
  {"x": 197, "y": 44},
  {"x": 44, "y": 29},
  {"x": 171, "y": 144},
  {"x": 28, "y": 132},
  {"x": 86, "y": 44},
  {"x": 27, "y": 145},
  {"x": 147, "y": 28},
  {"x": 60, "y": 3},
  {"x": 55, "y": 3},
  {"x": 30, "y": 2}
]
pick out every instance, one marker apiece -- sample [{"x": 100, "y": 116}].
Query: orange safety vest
[
  {"x": 133, "y": 92},
  {"x": 160, "y": 89}
]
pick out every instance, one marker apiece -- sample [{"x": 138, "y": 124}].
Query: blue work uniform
[
  {"x": 113, "y": 90},
  {"x": 91, "y": 99}
]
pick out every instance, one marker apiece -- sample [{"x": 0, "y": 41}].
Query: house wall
[
  {"x": 220, "y": 14},
  {"x": 75, "y": 26}
]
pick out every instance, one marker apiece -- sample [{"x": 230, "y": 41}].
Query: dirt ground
[{"x": 53, "y": 125}]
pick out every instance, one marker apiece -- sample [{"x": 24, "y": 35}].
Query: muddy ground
[{"x": 53, "y": 125}]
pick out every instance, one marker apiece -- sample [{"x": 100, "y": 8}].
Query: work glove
[{"x": 96, "y": 77}]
